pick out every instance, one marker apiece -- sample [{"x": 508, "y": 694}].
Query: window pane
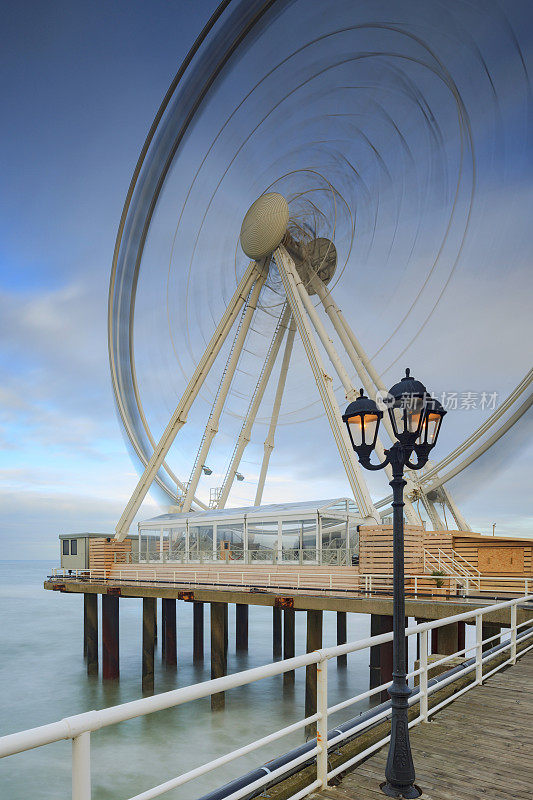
[
  {"x": 73, "y": 547},
  {"x": 65, "y": 547}
]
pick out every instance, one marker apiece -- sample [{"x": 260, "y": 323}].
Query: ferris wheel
[{"x": 295, "y": 223}]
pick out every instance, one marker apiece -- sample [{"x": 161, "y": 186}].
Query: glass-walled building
[{"x": 323, "y": 532}]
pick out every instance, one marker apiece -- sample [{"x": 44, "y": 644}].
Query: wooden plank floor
[{"x": 480, "y": 746}]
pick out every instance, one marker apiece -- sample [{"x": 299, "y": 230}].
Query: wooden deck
[{"x": 481, "y": 745}]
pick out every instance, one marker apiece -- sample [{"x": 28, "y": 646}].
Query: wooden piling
[
  {"x": 218, "y": 650},
  {"x": 226, "y": 631},
  {"x": 90, "y": 603},
  {"x": 288, "y": 642},
  {"x": 380, "y": 656},
  {"x": 314, "y": 642},
  {"x": 85, "y": 625},
  {"x": 241, "y": 627},
  {"x": 276, "y": 632},
  {"x": 489, "y": 629},
  {"x": 198, "y": 631},
  {"x": 342, "y": 661},
  {"x": 148, "y": 643},
  {"x": 171, "y": 645},
  {"x": 110, "y": 637},
  {"x": 163, "y": 609},
  {"x": 445, "y": 640}
]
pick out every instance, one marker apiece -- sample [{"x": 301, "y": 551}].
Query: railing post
[
  {"x": 424, "y": 676},
  {"x": 513, "y": 633},
  {"x": 81, "y": 766},
  {"x": 479, "y": 649},
  {"x": 322, "y": 724},
  {"x": 416, "y": 585}
]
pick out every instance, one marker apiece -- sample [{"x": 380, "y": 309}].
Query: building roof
[{"x": 306, "y": 508}]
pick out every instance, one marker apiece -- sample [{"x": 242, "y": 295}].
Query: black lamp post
[{"x": 416, "y": 419}]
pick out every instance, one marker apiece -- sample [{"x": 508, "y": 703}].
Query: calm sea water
[{"x": 43, "y": 679}]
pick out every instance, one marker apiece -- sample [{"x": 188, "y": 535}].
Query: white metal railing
[
  {"x": 79, "y": 728},
  {"x": 195, "y": 576}
]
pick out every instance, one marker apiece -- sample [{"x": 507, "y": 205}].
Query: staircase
[{"x": 453, "y": 564}]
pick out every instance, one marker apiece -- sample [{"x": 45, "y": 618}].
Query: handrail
[
  {"x": 449, "y": 563},
  {"x": 79, "y": 727},
  {"x": 192, "y": 576}
]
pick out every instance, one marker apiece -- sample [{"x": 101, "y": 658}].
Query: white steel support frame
[
  {"x": 179, "y": 417},
  {"x": 214, "y": 418},
  {"x": 352, "y": 468},
  {"x": 246, "y": 430},
  {"x": 372, "y": 383},
  {"x": 269, "y": 441},
  {"x": 412, "y": 482},
  {"x": 300, "y": 312}
]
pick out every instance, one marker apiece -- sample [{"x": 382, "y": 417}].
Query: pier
[
  {"x": 479, "y": 745},
  {"x": 479, "y": 696},
  {"x": 293, "y": 557}
]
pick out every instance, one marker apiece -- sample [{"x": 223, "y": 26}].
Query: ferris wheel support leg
[
  {"x": 289, "y": 277},
  {"x": 246, "y": 430},
  {"x": 432, "y": 513},
  {"x": 367, "y": 375},
  {"x": 180, "y": 415},
  {"x": 461, "y": 522},
  {"x": 269, "y": 441},
  {"x": 211, "y": 429}
]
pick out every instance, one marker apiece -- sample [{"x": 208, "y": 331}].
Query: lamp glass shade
[
  {"x": 356, "y": 430},
  {"x": 415, "y": 414},
  {"x": 431, "y": 428},
  {"x": 370, "y": 428}
]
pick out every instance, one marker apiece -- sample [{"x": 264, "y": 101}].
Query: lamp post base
[{"x": 409, "y": 793}]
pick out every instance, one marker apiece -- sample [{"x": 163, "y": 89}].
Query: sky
[{"x": 80, "y": 84}]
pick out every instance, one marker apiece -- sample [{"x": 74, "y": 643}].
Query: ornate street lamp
[{"x": 416, "y": 419}]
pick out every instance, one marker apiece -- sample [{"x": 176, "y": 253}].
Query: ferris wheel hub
[{"x": 264, "y": 225}]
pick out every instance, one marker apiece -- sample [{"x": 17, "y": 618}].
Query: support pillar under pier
[
  {"x": 288, "y": 642},
  {"x": 90, "y": 603},
  {"x": 241, "y": 627},
  {"x": 276, "y": 632},
  {"x": 226, "y": 630},
  {"x": 218, "y": 650},
  {"x": 163, "y": 609},
  {"x": 448, "y": 639},
  {"x": 380, "y": 656},
  {"x": 489, "y": 629},
  {"x": 198, "y": 631},
  {"x": 84, "y": 626},
  {"x": 171, "y": 644},
  {"x": 110, "y": 637},
  {"x": 342, "y": 661},
  {"x": 314, "y": 642},
  {"x": 148, "y": 643}
]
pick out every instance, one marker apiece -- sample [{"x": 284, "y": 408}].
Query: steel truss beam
[
  {"x": 246, "y": 430},
  {"x": 211, "y": 429},
  {"x": 372, "y": 382},
  {"x": 290, "y": 280},
  {"x": 369, "y": 384},
  {"x": 179, "y": 417},
  {"x": 269, "y": 441}
]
